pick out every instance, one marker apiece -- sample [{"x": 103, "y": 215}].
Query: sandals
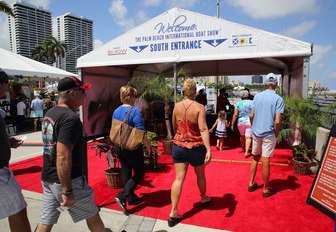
[
  {"x": 206, "y": 202},
  {"x": 253, "y": 187},
  {"x": 173, "y": 221},
  {"x": 269, "y": 193}
]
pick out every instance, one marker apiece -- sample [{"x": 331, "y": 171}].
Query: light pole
[{"x": 67, "y": 53}]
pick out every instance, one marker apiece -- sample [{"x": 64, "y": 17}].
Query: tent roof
[
  {"x": 181, "y": 36},
  {"x": 14, "y": 64}
]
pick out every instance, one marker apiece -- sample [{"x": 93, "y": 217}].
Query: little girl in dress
[{"x": 221, "y": 124}]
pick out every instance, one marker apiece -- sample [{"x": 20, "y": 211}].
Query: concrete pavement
[{"x": 114, "y": 220}]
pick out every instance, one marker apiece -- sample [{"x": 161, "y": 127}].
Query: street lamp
[{"x": 67, "y": 53}]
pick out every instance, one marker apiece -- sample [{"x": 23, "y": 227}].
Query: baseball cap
[
  {"x": 244, "y": 94},
  {"x": 271, "y": 79},
  {"x": 4, "y": 76},
  {"x": 68, "y": 83}
]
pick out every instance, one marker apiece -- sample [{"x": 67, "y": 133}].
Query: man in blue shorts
[
  {"x": 265, "y": 115},
  {"x": 12, "y": 203},
  {"x": 63, "y": 181}
]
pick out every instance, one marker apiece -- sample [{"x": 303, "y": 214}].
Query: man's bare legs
[
  {"x": 95, "y": 223},
  {"x": 176, "y": 189},
  {"x": 253, "y": 168},
  {"x": 43, "y": 228},
  {"x": 19, "y": 222},
  {"x": 201, "y": 182},
  {"x": 266, "y": 173}
]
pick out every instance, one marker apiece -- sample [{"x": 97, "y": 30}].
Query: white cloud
[
  {"x": 142, "y": 16},
  {"x": 274, "y": 9},
  {"x": 119, "y": 13},
  {"x": 319, "y": 53},
  {"x": 299, "y": 30},
  {"x": 97, "y": 43},
  {"x": 152, "y": 2},
  {"x": 186, "y": 4}
]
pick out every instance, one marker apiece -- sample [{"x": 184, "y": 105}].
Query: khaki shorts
[{"x": 263, "y": 146}]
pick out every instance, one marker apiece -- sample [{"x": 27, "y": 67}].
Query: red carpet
[{"x": 232, "y": 207}]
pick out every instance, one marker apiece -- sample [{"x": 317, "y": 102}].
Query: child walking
[{"x": 221, "y": 124}]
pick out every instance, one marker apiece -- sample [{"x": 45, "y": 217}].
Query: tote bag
[{"x": 126, "y": 136}]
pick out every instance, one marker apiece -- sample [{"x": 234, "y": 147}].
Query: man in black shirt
[
  {"x": 12, "y": 203},
  {"x": 64, "y": 185}
]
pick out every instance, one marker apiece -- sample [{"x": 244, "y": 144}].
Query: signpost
[{"x": 323, "y": 192}]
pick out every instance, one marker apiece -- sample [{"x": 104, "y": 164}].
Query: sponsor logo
[
  {"x": 242, "y": 40},
  {"x": 116, "y": 51}
]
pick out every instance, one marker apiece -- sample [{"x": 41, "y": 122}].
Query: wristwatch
[{"x": 67, "y": 193}]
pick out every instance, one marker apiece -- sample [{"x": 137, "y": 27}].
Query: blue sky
[{"x": 307, "y": 20}]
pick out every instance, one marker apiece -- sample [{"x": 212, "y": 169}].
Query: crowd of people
[{"x": 63, "y": 181}]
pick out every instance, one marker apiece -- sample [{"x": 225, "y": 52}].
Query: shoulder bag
[{"x": 124, "y": 135}]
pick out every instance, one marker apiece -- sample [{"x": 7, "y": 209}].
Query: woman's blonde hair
[
  {"x": 126, "y": 93},
  {"x": 189, "y": 88},
  {"x": 222, "y": 115}
]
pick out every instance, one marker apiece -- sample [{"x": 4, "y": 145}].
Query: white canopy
[
  {"x": 14, "y": 64},
  {"x": 205, "y": 45}
]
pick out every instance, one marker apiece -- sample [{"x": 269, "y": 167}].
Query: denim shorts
[{"x": 195, "y": 156}]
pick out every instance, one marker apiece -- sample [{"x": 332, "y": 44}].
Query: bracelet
[{"x": 67, "y": 193}]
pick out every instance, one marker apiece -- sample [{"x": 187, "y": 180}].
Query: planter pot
[
  {"x": 114, "y": 178},
  {"x": 301, "y": 168},
  {"x": 167, "y": 146}
]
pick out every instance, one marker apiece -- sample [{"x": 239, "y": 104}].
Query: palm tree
[
  {"x": 302, "y": 118},
  {"x": 49, "y": 50},
  {"x": 58, "y": 48},
  {"x": 4, "y": 7}
]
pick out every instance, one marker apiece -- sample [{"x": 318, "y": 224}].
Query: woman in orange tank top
[{"x": 191, "y": 146}]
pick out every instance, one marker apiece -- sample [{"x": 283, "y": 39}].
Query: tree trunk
[{"x": 168, "y": 125}]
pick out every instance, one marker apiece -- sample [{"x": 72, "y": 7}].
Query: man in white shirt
[{"x": 21, "y": 112}]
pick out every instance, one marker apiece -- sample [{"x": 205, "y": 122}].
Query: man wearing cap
[
  {"x": 63, "y": 181},
  {"x": 12, "y": 203},
  {"x": 265, "y": 116}
]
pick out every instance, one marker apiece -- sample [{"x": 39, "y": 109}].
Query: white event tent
[
  {"x": 14, "y": 64},
  {"x": 205, "y": 45}
]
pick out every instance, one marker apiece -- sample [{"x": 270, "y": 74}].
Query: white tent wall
[{"x": 207, "y": 46}]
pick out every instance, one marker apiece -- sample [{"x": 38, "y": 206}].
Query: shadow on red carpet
[{"x": 232, "y": 206}]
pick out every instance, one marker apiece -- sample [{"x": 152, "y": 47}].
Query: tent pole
[{"x": 175, "y": 82}]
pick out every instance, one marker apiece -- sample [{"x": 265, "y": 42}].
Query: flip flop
[
  {"x": 269, "y": 193},
  {"x": 173, "y": 221},
  {"x": 253, "y": 187},
  {"x": 206, "y": 202}
]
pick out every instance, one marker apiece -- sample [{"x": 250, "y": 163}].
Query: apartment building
[
  {"x": 77, "y": 33},
  {"x": 29, "y": 28}
]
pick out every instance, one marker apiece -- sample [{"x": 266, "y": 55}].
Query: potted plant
[
  {"x": 151, "y": 158},
  {"x": 299, "y": 124},
  {"x": 159, "y": 89},
  {"x": 303, "y": 159},
  {"x": 113, "y": 173}
]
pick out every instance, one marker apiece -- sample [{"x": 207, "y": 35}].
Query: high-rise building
[
  {"x": 77, "y": 33},
  {"x": 257, "y": 79},
  {"x": 29, "y": 27}
]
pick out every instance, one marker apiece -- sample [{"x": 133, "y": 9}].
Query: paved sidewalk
[{"x": 114, "y": 220}]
